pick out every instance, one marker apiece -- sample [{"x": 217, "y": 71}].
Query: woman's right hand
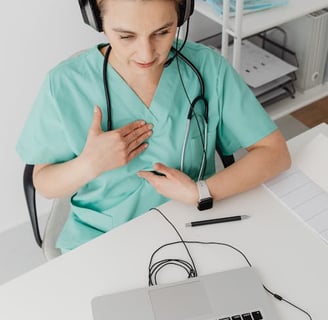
[
  {"x": 103, "y": 151},
  {"x": 107, "y": 150}
]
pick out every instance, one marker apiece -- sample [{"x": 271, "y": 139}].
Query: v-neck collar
[{"x": 164, "y": 92}]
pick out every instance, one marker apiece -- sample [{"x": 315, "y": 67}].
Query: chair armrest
[{"x": 29, "y": 192}]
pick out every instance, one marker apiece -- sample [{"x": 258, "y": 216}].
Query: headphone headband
[{"x": 91, "y": 13}]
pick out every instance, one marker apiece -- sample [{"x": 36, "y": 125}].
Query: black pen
[{"x": 218, "y": 220}]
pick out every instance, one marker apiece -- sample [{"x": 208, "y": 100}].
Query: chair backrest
[
  {"x": 29, "y": 191},
  {"x": 56, "y": 217},
  {"x": 227, "y": 160}
]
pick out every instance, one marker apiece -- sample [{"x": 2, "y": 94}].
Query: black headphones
[{"x": 92, "y": 17}]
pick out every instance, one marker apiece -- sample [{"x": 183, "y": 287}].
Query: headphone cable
[
  {"x": 153, "y": 269},
  {"x": 178, "y": 50},
  {"x": 106, "y": 89}
]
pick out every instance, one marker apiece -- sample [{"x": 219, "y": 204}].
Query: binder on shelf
[
  {"x": 268, "y": 76},
  {"x": 275, "y": 90},
  {"x": 258, "y": 67},
  {"x": 307, "y": 37}
]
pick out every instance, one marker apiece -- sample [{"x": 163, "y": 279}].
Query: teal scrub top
[{"x": 58, "y": 125}]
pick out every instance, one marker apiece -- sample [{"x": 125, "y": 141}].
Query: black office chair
[
  {"x": 227, "y": 160},
  {"x": 56, "y": 218},
  {"x": 59, "y": 212}
]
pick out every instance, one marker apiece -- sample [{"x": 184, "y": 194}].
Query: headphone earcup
[
  {"x": 91, "y": 14},
  {"x": 186, "y": 9}
]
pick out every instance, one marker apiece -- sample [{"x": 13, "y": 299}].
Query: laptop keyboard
[{"x": 255, "y": 315}]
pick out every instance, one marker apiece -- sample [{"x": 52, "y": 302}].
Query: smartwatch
[{"x": 205, "y": 199}]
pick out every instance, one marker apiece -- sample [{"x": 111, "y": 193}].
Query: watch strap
[{"x": 203, "y": 190}]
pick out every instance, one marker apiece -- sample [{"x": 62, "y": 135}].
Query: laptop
[{"x": 229, "y": 295}]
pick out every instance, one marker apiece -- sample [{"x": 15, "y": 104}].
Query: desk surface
[{"x": 291, "y": 259}]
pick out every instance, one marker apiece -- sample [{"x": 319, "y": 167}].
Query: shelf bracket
[
  {"x": 237, "y": 32},
  {"x": 225, "y": 26},
  {"x": 238, "y": 35}
]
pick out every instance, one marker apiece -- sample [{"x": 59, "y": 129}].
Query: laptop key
[
  {"x": 257, "y": 315},
  {"x": 246, "y": 316},
  {"x": 237, "y": 317},
  {"x": 225, "y": 318}
]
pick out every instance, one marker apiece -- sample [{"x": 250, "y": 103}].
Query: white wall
[{"x": 34, "y": 36}]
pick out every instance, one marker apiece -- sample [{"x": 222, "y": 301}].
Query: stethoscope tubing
[{"x": 201, "y": 97}]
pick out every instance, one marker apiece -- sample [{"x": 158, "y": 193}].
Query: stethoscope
[{"x": 194, "y": 102}]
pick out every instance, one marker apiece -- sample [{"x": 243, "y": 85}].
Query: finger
[
  {"x": 95, "y": 127},
  {"x": 152, "y": 178},
  {"x": 136, "y": 142},
  {"x": 162, "y": 168},
  {"x": 145, "y": 174},
  {"x": 139, "y": 134},
  {"x": 127, "y": 129},
  {"x": 137, "y": 151},
  {"x": 159, "y": 172}
]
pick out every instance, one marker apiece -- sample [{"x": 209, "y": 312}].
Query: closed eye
[
  {"x": 124, "y": 37},
  {"x": 161, "y": 33},
  {"x": 125, "y": 34}
]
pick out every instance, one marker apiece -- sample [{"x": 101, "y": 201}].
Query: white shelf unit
[
  {"x": 256, "y": 22},
  {"x": 243, "y": 26}
]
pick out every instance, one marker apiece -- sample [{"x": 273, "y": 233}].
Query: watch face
[{"x": 206, "y": 203}]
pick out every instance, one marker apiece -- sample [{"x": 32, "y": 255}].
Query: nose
[{"x": 145, "y": 50}]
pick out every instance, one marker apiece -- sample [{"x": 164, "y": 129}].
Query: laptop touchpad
[{"x": 180, "y": 302}]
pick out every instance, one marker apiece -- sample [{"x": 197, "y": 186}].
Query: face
[{"x": 140, "y": 32}]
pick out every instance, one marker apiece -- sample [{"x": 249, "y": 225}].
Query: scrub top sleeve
[
  {"x": 43, "y": 139},
  {"x": 243, "y": 120}
]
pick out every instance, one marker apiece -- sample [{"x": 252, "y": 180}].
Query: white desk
[{"x": 291, "y": 259}]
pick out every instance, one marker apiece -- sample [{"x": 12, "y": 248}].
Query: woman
[{"x": 151, "y": 88}]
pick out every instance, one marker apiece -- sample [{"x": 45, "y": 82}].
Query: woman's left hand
[{"x": 172, "y": 183}]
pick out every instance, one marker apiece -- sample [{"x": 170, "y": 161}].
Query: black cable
[
  {"x": 194, "y": 272},
  {"x": 191, "y": 65},
  {"x": 156, "y": 267},
  {"x": 177, "y": 50},
  {"x": 153, "y": 269},
  {"x": 106, "y": 89},
  {"x": 280, "y": 298}
]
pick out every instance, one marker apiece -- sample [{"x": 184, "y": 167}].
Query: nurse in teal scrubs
[{"x": 109, "y": 172}]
